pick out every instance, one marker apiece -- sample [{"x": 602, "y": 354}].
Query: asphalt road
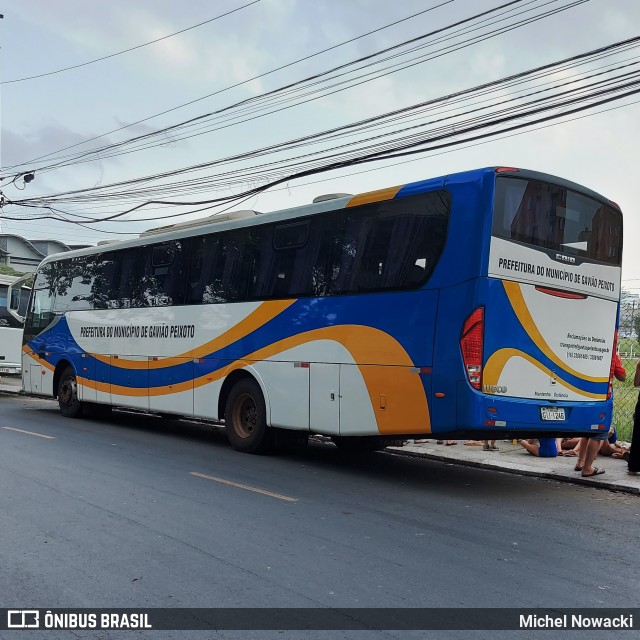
[{"x": 140, "y": 512}]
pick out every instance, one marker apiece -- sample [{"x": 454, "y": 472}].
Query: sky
[{"x": 597, "y": 148}]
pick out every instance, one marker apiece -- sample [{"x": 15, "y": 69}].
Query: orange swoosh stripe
[
  {"x": 37, "y": 358},
  {"x": 408, "y": 411},
  {"x": 374, "y": 196},
  {"x": 498, "y": 360},
  {"x": 514, "y": 293}
]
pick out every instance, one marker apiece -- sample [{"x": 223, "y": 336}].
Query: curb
[{"x": 518, "y": 470}]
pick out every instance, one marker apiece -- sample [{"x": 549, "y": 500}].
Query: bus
[
  {"x": 480, "y": 304},
  {"x": 11, "y": 325}
]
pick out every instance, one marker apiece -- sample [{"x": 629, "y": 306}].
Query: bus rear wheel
[
  {"x": 70, "y": 406},
  {"x": 246, "y": 418}
]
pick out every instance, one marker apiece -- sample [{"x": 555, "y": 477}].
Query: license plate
[
  {"x": 552, "y": 413},
  {"x": 4, "y": 370}
]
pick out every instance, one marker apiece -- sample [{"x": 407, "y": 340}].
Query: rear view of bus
[{"x": 538, "y": 349}]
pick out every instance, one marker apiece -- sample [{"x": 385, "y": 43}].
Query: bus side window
[
  {"x": 74, "y": 286},
  {"x": 103, "y": 274},
  {"x": 128, "y": 284},
  {"x": 242, "y": 256},
  {"x": 206, "y": 262},
  {"x": 167, "y": 274},
  {"x": 275, "y": 264}
]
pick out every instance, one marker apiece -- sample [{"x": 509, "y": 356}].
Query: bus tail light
[{"x": 471, "y": 345}]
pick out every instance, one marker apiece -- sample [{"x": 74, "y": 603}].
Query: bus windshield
[{"x": 552, "y": 217}]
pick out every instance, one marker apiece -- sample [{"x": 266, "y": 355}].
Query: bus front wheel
[
  {"x": 68, "y": 402},
  {"x": 245, "y": 418}
]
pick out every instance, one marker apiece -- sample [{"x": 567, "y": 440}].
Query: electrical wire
[
  {"x": 496, "y": 86},
  {"x": 542, "y": 109},
  {"x": 139, "y": 46},
  {"x": 241, "y": 112},
  {"x": 237, "y": 84}
]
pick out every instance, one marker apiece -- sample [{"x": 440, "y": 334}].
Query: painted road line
[
  {"x": 30, "y": 433},
  {"x": 264, "y": 492}
]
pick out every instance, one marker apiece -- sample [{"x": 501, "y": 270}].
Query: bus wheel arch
[
  {"x": 245, "y": 413},
  {"x": 231, "y": 380},
  {"x": 65, "y": 387}
]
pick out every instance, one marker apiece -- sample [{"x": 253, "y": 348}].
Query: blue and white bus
[{"x": 479, "y": 304}]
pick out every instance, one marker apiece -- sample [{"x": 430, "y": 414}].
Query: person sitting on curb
[
  {"x": 543, "y": 448},
  {"x": 568, "y": 446},
  {"x": 611, "y": 447}
]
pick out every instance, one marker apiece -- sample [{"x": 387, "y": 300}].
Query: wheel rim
[
  {"x": 68, "y": 391},
  {"x": 245, "y": 416}
]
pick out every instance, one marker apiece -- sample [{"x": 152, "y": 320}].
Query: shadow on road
[{"x": 322, "y": 456}]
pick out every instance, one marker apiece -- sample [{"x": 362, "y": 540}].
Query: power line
[
  {"x": 139, "y": 46},
  {"x": 540, "y": 110},
  {"x": 270, "y": 95},
  {"x": 496, "y": 86},
  {"x": 370, "y": 170},
  {"x": 237, "y": 84},
  {"x": 251, "y": 106}
]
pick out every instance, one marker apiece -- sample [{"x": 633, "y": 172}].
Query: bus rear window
[{"x": 553, "y": 217}]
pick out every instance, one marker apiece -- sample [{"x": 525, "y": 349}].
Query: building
[{"x": 25, "y": 255}]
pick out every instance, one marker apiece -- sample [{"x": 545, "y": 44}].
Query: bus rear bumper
[
  {"x": 10, "y": 369},
  {"x": 523, "y": 418}
]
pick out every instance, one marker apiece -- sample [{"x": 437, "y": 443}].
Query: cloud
[{"x": 19, "y": 148}]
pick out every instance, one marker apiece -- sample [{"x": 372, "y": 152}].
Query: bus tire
[
  {"x": 70, "y": 406},
  {"x": 245, "y": 418}
]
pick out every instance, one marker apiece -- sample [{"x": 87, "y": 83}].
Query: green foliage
[{"x": 9, "y": 271}]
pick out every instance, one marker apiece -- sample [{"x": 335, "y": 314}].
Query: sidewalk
[
  {"x": 514, "y": 459},
  {"x": 510, "y": 458},
  {"x": 10, "y": 384}
]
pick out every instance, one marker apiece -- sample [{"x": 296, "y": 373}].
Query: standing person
[
  {"x": 633, "y": 457},
  {"x": 589, "y": 447},
  {"x": 619, "y": 372},
  {"x": 489, "y": 447}
]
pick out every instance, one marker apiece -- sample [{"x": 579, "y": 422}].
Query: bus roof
[{"x": 241, "y": 218}]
